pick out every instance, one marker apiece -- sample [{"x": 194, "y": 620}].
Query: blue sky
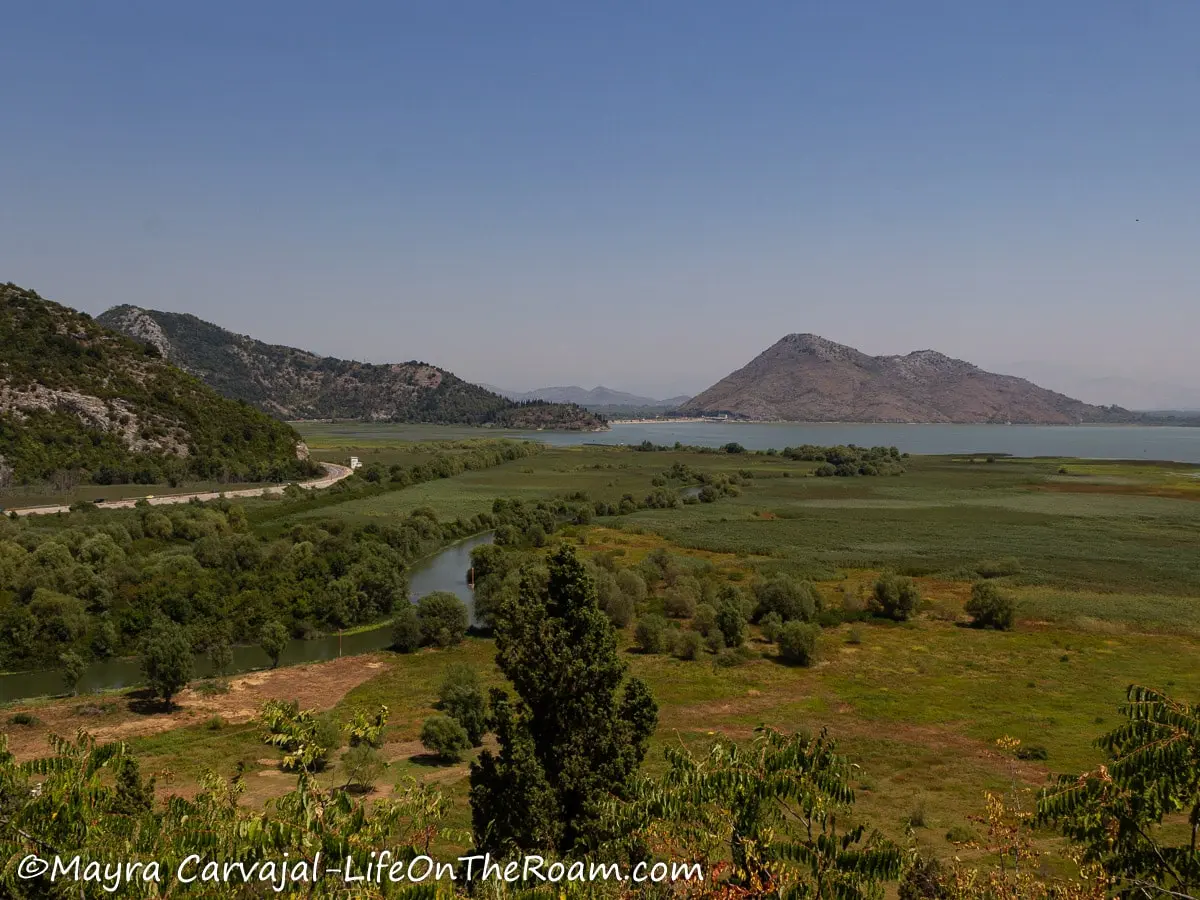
[{"x": 643, "y": 195}]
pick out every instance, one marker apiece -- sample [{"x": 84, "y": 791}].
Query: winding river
[{"x": 444, "y": 571}]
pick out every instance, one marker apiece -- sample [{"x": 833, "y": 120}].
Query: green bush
[
  {"x": 998, "y": 568},
  {"x": 705, "y": 619},
  {"x": 895, "y": 597},
  {"x": 679, "y": 602},
  {"x": 24, "y": 718},
  {"x": 688, "y": 644},
  {"x": 960, "y": 834},
  {"x": 790, "y": 599},
  {"x": 798, "y": 643},
  {"x": 770, "y": 625},
  {"x": 442, "y": 618},
  {"x": 731, "y": 621},
  {"x": 650, "y": 635},
  {"x": 461, "y": 697},
  {"x": 406, "y": 629},
  {"x": 445, "y": 738},
  {"x": 989, "y": 608},
  {"x": 1032, "y": 751}
]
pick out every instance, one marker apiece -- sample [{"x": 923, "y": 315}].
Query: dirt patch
[
  {"x": 1173, "y": 492},
  {"x": 313, "y": 686}
]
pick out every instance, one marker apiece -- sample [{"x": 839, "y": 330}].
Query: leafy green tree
[
  {"x": 731, "y": 621},
  {"x": 790, "y": 599},
  {"x": 363, "y": 766},
  {"x": 798, "y": 642},
  {"x": 73, "y": 667},
  {"x": 461, "y": 698},
  {"x": 369, "y": 730},
  {"x": 406, "y": 629},
  {"x": 894, "y": 597},
  {"x": 166, "y": 660},
  {"x": 650, "y": 634},
  {"x": 274, "y": 639},
  {"x": 576, "y": 732},
  {"x": 220, "y": 654},
  {"x": 770, "y": 625},
  {"x": 308, "y": 740},
  {"x": 445, "y": 738},
  {"x": 632, "y": 585},
  {"x": 442, "y": 618},
  {"x": 775, "y": 804},
  {"x": 1116, "y": 812},
  {"x": 989, "y": 608}
]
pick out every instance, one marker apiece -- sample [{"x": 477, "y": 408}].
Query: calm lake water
[
  {"x": 445, "y": 571},
  {"x": 1094, "y": 441}
]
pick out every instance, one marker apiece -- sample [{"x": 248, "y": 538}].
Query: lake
[
  {"x": 1169, "y": 443},
  {"x": 1095, "y": 441},
  {"x": 444, "y": 571}
]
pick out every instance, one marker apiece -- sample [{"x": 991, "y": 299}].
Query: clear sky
[{"x": 643, "y": 195}]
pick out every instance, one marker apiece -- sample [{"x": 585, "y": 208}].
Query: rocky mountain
[
  {"x": 599, "y": 397},
  {"x": 295, "y": 384},
  {"x": 806, "y": 378},
  {"x": 80, "y": 401}
]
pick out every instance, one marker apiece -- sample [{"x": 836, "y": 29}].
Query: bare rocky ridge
[{"x": 806, "y": 378}]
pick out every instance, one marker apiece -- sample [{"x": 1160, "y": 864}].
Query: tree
[
  {"x": 577, "y": 730},
  {"x": 445, "y": 738},
  {"x": 790, "y": 599},
  {"x": 1116, "y": 811},
  {"x": 650, "y": 634},
  {"x": 894, "y": 597},
  {"x": 274, "y": 639},
  {"x": 363, "y": 767},
  {"x": 220, "y": 654},
  {"x": 989, "y": 608},
  {"x": 442, "y": 618},
  {"x": 406, "y": 629},
  {"x": 166, "y": 660},
  {"x": 306, "y": 739},
  {"x": 798, "y": 642},
  {"x": 73, "y": 667},
  {"x": 462, "y": 699},
  {"x": 775, "y": 804},
  {"x": 731, "y": 621},
  {"x": 770, "y": 624}
]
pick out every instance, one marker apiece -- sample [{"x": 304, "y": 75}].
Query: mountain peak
[{"x": 808, "y": 378}]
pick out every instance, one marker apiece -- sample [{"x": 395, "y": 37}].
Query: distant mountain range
[
  {"x": 596, "y": 398},
  {"x": 78, "y": 401},
  {"x": 294, "y": 384},
  {"x": 806, "y": 378}
]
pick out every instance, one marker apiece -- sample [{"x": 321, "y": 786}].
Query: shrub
[
  {"x": 715, "y": 641},
  {"x": 705, "y": 619},
  {"x": 1032, "y": 751},
  {"x": 462, "y": 699},
  {"x": 406, "y": 629},
  {"x": 363, "y": 766},
  {"x": 998, "y": 568},
  {"x": 770, "y": 625},
  {"x": 445, "y": 738},
  {"x": 989, "y": 608},
  {"x": 442, "y": 618},
  {"x": 24, "y": 718},
  {"x": 916, "y": 818},
  {"x": 960, "y": 834},
  {"x": 854, "y": 636},
  {"x": 688, "y": 644},
  {"x": 632, "y": 585},
  {"x": 798, "y": 643},
  {"x": 731, "y": 622},
  {"x": 679, "y": 602},
  {"x": 895, "y": 597},
  {"x": 791, "y": 599},
  {"x": 650, "y": 634}
]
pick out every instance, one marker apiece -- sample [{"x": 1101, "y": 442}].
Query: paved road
[{"x": 333, "y": 474}]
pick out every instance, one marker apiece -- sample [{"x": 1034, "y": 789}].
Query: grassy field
[{"x": 1101, "y": 558}]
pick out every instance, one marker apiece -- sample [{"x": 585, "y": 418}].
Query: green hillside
[
  {"x": 80, "y": 401},
  {"x": 295, "y": 384}
]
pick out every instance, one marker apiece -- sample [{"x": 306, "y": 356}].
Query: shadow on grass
[{"x": 433, "y": 761}]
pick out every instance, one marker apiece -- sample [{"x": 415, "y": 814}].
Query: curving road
[{"x": 333, "y": 474}]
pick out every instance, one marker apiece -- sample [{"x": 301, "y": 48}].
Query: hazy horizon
[{"x": 638, "y": 197}]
